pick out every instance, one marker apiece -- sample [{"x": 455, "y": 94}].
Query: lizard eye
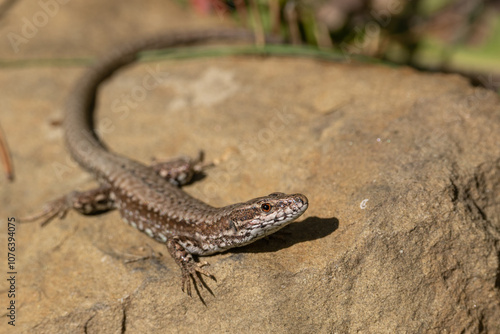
[{"x": 266, "y": 207}]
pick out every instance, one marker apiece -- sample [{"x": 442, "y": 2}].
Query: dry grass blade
[{"x": 6, "y": 157}]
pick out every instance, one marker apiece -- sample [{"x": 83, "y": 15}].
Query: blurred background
[{"x": 458, "y": 36}]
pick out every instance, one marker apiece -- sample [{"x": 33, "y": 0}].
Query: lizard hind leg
[{"x": 88, "y": 202}]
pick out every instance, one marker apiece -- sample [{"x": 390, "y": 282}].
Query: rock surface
[{"x": 402, "y": 170}]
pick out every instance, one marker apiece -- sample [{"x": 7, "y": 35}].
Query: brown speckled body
[{"x": 145, "y": 198}]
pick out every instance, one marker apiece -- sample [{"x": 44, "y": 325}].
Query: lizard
[{"x": 149, "y": 198}]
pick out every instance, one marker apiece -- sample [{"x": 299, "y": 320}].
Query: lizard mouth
[{"x": 290, "y": 209}]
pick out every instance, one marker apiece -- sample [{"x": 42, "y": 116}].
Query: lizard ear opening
[{"x": 232, "y": 225}]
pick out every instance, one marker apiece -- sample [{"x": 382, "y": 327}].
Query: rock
[{"x": 402, "y": 171}]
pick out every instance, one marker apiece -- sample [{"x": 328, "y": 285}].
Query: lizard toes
[{"x": 50, "y": 210}]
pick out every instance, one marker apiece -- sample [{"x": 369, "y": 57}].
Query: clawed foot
[
  {"x": 180, "y": 171},
  {"x": 190, "y": 269},
  {"x": 56, "y": 208},
  {"x": 194, "y": 270}
]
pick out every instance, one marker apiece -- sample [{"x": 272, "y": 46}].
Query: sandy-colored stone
[
  {"x": 402, "y": 171},
  {"x": 77, "y": 28}
]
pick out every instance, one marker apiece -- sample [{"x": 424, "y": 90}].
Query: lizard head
[{"x": 259, "y": 217}]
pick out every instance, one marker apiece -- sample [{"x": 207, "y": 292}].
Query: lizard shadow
[{"x": 311, "y": 228}]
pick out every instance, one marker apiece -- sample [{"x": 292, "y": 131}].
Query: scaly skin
[{"x": 148, "y": 197}]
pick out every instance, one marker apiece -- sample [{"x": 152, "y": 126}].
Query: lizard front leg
[
  {"x": 189, "y": 268},
  {"x": 180, "y": 171}
]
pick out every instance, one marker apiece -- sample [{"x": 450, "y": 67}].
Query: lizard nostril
[{"x": 301, "y": 199}]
